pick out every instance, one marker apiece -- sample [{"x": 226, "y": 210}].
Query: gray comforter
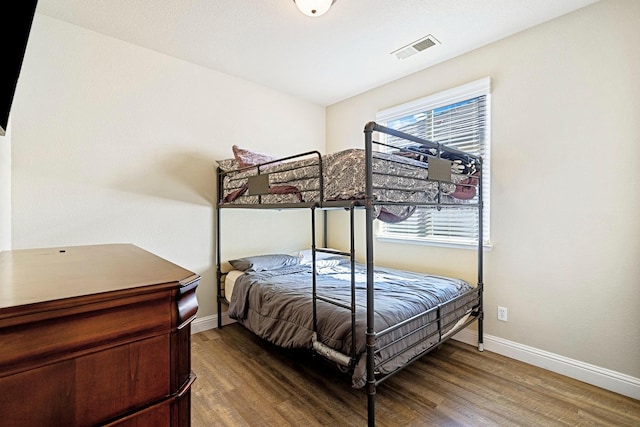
[{"x": 276, "y": 305}]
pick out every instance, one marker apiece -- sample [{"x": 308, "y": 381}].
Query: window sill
[{"x": 441, "y": 244}]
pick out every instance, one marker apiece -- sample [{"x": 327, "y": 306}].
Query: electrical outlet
[{"x": 502, "y": 313}]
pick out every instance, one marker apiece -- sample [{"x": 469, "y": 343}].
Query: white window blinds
[{"x": 458, "y": 118}]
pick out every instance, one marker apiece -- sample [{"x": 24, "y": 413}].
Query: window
[{"x": 458, "y": 118}]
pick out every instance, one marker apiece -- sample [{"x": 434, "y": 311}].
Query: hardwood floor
[{"x": 244, "y": 381}]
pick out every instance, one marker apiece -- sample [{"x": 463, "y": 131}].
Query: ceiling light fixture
[{"x": 314, "y": 7}]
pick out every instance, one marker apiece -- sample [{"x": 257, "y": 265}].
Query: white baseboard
[
  {"x": 202, "y": 324},
  {"x": 591, "y": 374}
]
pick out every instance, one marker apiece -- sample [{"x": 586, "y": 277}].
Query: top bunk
[{"x": 395, "y": 171}]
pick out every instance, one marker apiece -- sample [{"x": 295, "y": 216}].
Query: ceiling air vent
[{"x": 415, "y": 47}]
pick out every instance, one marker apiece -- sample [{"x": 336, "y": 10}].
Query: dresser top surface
[{"x": 32, "y": 276}]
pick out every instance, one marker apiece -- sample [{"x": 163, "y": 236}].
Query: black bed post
[
  {"x": 314, "y": 283},
  {"x": 325, "y": 224},
  {"x": 480, "y": 259},
  {"x": 217, "y": 248},
  {"x": 371, "y": 337}
]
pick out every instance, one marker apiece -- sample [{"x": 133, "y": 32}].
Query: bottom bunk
[{"x": 272, "y": 295}]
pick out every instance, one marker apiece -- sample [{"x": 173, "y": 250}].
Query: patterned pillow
[
  {"x": 227, "y": 164},
  {"x": 465, "y": 192},
  {"x": 248, "y": 158}
]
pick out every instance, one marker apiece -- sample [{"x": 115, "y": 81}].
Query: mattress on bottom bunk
[
  {"x": 395, "y": 179},
  {"x": 276, "y": 305},
  {"x": 229, "y": 283}
]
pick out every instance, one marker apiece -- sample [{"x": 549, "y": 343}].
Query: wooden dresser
[{"x": 95, "y": 335}]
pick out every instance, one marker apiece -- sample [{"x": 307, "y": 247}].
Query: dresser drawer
[
  {"x": 74, "y": 331},
  {"x": 90, "y": 389},
  {"x": 174, "y": 411}
]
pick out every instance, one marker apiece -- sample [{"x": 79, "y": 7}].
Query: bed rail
[
  {"x": 261, "y": 181},
  {"x": 409, "y": 171},
  {"x": 351, "y": 305},
  {"x": 435, "y": 326}
]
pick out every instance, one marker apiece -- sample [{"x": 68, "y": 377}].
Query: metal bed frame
[{"x": 259, "y": 185}]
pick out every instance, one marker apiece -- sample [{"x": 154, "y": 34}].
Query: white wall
[
  {"x": 565, "y": 198},
  {"x": 115, "y": 143},
  {"x": 5, "y": 191}
]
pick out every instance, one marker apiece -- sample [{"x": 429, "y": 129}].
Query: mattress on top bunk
[
  {"x": 276, "y": 305},
  {"x": 395, "y": 179}
]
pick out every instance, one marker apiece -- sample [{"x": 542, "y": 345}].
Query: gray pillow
[{"x": 264, "y": 262}]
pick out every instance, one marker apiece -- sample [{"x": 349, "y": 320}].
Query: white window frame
[{"x": 462, "y": 93}]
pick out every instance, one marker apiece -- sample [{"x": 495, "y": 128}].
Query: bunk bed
[{"x": 370, "y": 321}]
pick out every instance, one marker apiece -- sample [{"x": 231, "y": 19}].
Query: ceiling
[{"x": 325, "y": 59}]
